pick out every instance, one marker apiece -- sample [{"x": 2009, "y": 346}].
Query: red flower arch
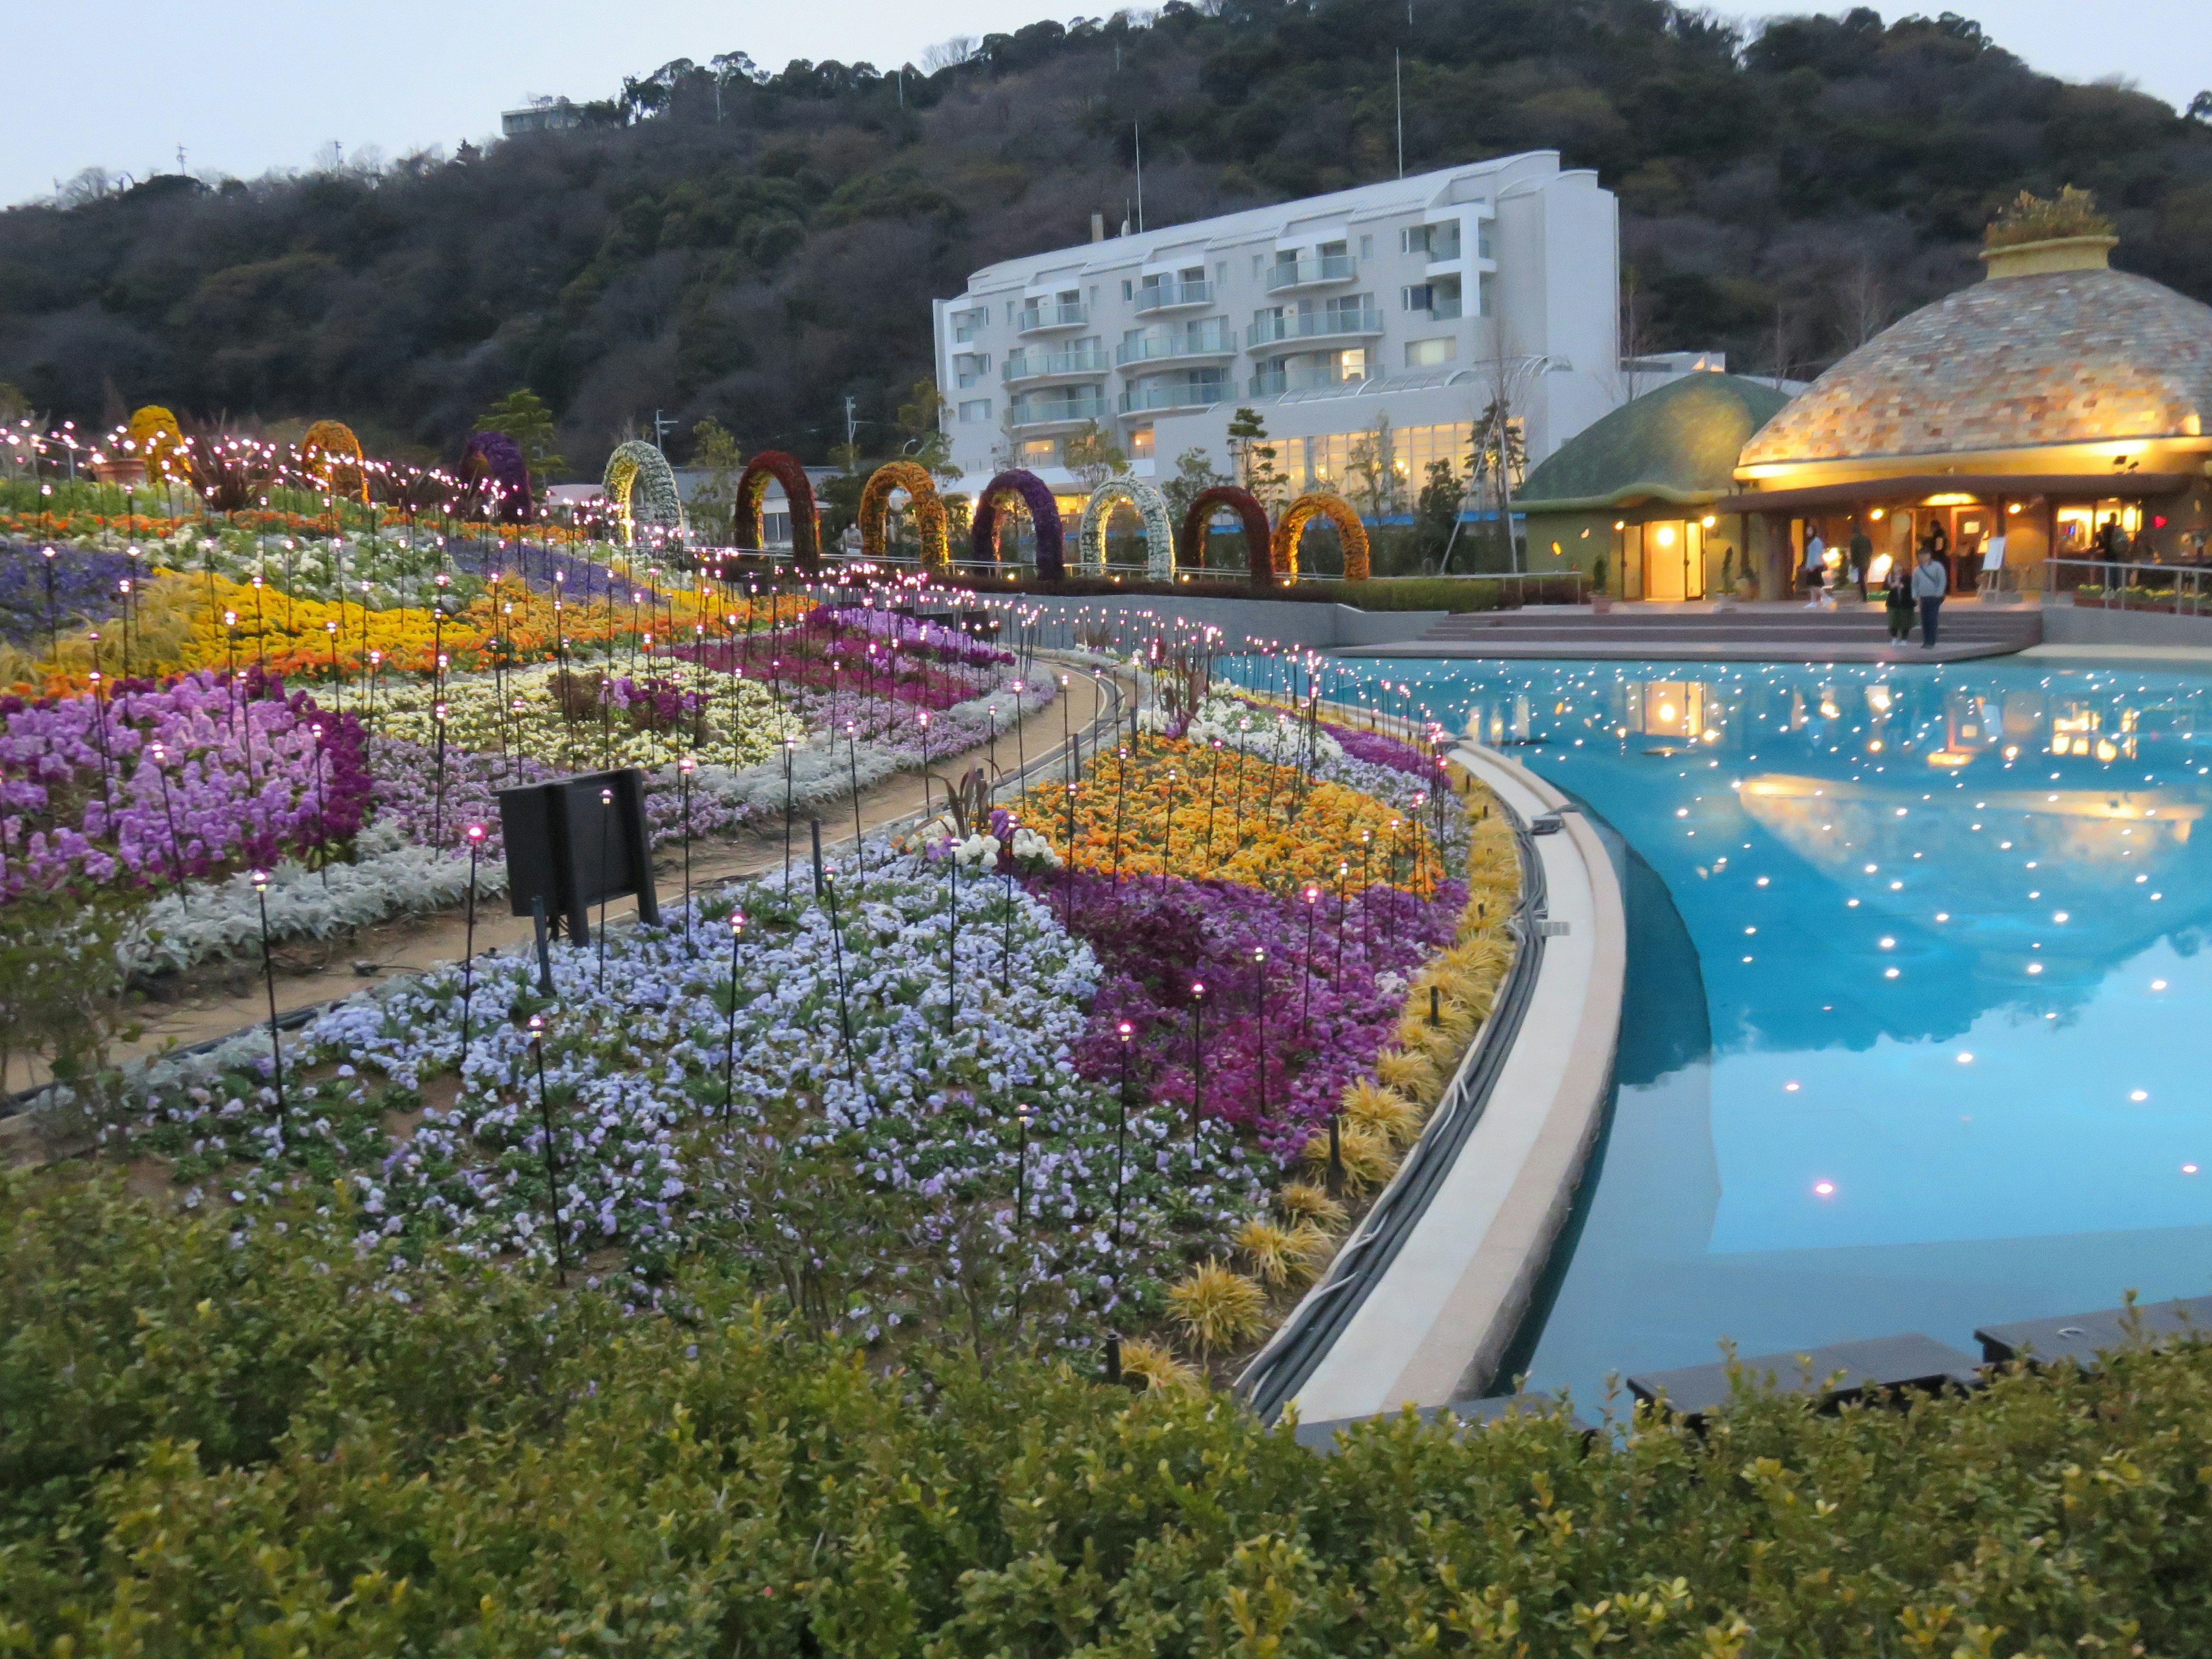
[
  {"x": 1252, "y": 518},
  {"x": 752, "y": 489}
]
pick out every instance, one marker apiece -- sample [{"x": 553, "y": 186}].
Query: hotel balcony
[
  {"x": 1156, "y": 396},
  {"x": 1274, "y": 335},
  {"x": 1172, "y": 296},
  {"x": 1041, "y": 318},
  {"x": 1288, "y": 275},
  {"x": 1069, "y": 408},
  {"x": 1274, "y": 381},
  {"x": 1023, "y": 366},
  {"x": 1218, "y": 339}
]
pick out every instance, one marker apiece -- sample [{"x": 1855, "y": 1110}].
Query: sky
[{"x": 245, "y": 86}]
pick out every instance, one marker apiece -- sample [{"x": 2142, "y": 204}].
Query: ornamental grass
[{"x": 1215, "y": 1308}]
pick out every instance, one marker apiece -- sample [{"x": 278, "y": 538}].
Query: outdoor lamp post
[
  {"x": 1021, "y": 1206},
  {"x": 730, "y": 1040},
  {"x": 260, "y": 880},
  {"x": 1197, "y": 1058},
  {"x": 469, "y": 940},
  {"x": 1124, "y": 1032},
  {"x": 552, "y": 1164}
]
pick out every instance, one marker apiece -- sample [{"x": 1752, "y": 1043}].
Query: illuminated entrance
[{"x": 1668, "y": 555}]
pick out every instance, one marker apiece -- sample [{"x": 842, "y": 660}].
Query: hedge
[{"x": 224, "y": 1435}]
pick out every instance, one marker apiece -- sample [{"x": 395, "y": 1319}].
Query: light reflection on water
[{"x": 1942, "y": 927}]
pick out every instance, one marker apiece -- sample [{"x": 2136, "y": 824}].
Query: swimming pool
[{"x": 1912, "y": 1039}]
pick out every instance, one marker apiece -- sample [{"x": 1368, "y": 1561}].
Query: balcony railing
[
  {"x": 1218, "y": 340},
  {"x": 1038, "y": 318},
  {"x": 1086, "y": 405},
  {"x": 1031, "y": 366},
  {"x": 1311, "y": 273},
  {"x": 1273, "y": 382},
  {"x": 1443, "y": 247},
  {"x": 1334, "y": 323},
  {"x": 1173, "y": 394},
  {"x": 1172, "y": 296}
]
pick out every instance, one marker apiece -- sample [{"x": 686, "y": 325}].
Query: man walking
[
  {"x": 1861, "y": 557},
  {"x": 1930, "y": 581}
]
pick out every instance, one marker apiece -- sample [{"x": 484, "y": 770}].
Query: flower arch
[
  {"x": 1044, "y": 513},
  {"x": 1252, "y": 518},
  {"x": 1159, "y": 534},
  {"x": 1337, "y": 512},
  {"x": 752, "y": 490},
  {"x": 331, "y": 453},
  {"x": 161, "y": 441},
  {"x": 492, "y": 461},
  {"x": 922, "y": 495},
  {"x": 640, "y": 484}
]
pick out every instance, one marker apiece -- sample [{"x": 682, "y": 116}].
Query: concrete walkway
[{"x": 1719, "y": 631}]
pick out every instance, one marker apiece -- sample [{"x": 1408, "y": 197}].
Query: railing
[
  {"x": 1268, "y": 384},
  {"x": 1034, "y": 318},
  {"x": 2120, "y": 585},
  {"x": 1441, "y": 249},
  {"x": 1314, "y": 325},
  {"x": 1309, "y": 273},
  {"x": 1176, "y": 394},
  {"x": 1084, "y": 360},
  {"x": 1043, "y": 411},
  {"x": 1215, "y": 342},
  {"x": 1167, "y": 296}
]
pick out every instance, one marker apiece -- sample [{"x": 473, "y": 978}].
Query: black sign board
[{"x": 576, "y": 842}]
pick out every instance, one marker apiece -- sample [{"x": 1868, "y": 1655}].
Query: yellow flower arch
[
  {"x": 160, "y": 439},
  {"x": 331, "y": 455},
  {"x": 1349, "y": 530},
  {"x": 922, "y": 497}
]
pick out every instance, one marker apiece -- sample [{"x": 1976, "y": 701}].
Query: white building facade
[{"x": 1415, "y": 304}]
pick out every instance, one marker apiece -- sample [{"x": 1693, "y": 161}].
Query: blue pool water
[{"x": 1918, "y": 1015}]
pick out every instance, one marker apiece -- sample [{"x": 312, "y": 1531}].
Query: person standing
[
  {"x": 1897, "y": 600},
  {"x": 1930, "y": 581},
  {"x": 1862, "y": 555},
  {"x": 1816, "y": 572}
]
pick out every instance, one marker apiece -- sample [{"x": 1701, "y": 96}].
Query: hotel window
[
  {"x": 1009, "y": 313},
  {"x": 967, "y": 324},
  {"x": 1431, "y": 354},
  {"x": 1220, "y": 271},
  {"x": 1141, "y": 443},
  {"x": 1418, "y": 296},
  {"x": 1258, "y": 260},
  {"x": 1367, "y": 247},
  {"x": 1485, "y": 305},
  {"x": 976, "y": 410},
  {"x": 1482, "y": 239},
  {"x": 1128, "y": 289},
  {"x": 1041, "y": 451}
]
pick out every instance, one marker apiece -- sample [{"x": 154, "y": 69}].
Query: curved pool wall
[{"x": 1914, "y": 1025}]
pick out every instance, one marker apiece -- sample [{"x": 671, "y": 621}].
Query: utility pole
[
  {"x": 1138, "y": 130},
  {"x": 850, "y": 422},
  {"x": 1398, "y": 73},
  {"x": 661, "y": 428}
]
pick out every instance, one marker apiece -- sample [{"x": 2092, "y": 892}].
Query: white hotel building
[{"x": 1417, "y": 298}]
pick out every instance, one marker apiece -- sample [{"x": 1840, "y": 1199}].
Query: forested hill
[{"x": 721, "y": 240}]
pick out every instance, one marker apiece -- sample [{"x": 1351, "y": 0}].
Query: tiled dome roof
[{"x": 2072, "y": 356}]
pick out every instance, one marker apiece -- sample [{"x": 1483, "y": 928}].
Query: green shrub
[{"x": 228, "y": 1437}]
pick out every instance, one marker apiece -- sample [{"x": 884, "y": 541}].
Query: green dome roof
[{"x": 1678, "y": 444}]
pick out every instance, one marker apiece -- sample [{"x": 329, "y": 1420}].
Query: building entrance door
[{"x": 1673, "y": 559}]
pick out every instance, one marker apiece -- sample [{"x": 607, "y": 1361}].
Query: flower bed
[{"x": 151, "y": 785}]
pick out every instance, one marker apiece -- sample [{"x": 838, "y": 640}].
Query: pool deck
[
  {"x": 1437, "y": 1326},
  {"x": 1720, "y": 631}
]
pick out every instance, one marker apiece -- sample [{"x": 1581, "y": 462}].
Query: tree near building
[
  {"x": 1376, "y": 484},
  {"x": 1253, "y": 459},
  {"x": 525, "y": 416},
  {"x": 1194, "y": 475},
  {"x": 715, "y": 452},
  {"x": 1093, "y": 456},
  {"x": 1437, "y": 515},
  {"x": 919, "y": 423}
]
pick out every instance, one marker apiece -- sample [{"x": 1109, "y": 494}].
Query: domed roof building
[
  {"x": 1631, "y": 491},
  {"x": 2037, "y": 405}
]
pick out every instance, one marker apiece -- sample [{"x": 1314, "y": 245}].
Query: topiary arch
[
  {"x": 922, "y": 497},
  {"x": 492, "y": 461},
  {"x": 640, "y": 484},
  {"x": 1159, "y": 536},
  {"x": 1337, "y": 512},
  {"x": 1251, "y": 516},
  {"x": 160, "y": 439},
  {"x": 1044, "y": 512},
  {"x": 331, "y": 453},
  {"x": 798, "y": 493}
]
